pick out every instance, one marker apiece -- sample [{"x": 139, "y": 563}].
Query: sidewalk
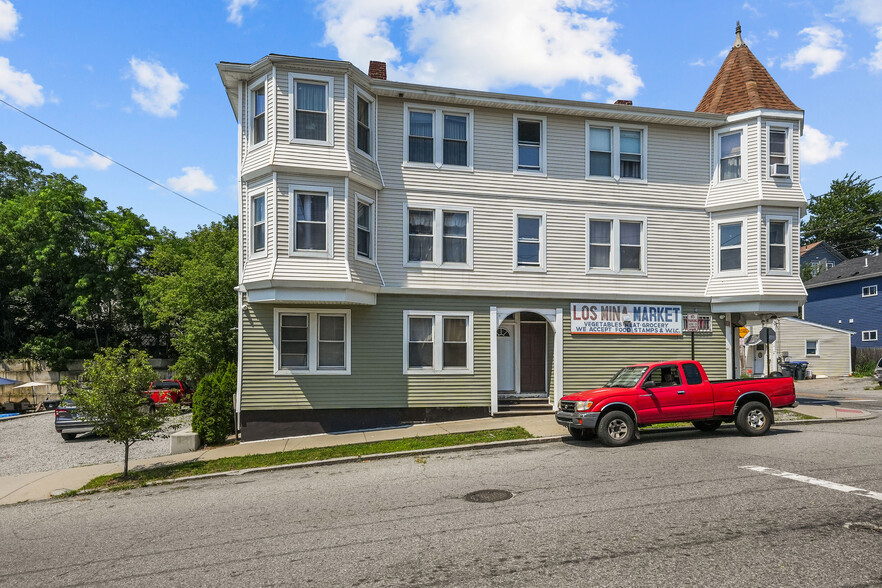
[{"x": 42, "y": 485}]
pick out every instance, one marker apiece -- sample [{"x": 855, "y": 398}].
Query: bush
[
  {"x": 213, "y": 405},
  {"x": 864, "y": 368}
]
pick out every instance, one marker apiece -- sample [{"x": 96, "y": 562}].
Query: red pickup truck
[
  {"x": 671, "y": 391},
  {"x": 174, "y": 391}
]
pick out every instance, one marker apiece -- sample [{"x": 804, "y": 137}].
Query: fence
[{"x": 860, "y": 355}]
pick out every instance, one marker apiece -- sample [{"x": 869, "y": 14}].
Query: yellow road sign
[{"x": 743, "y": 331}]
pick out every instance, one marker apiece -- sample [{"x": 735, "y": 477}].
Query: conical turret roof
[{"x": 743, "y": 84}]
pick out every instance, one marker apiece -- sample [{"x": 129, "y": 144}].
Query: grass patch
[
  {"x": 791, "y": 415},
  {"x": 668, "y": 425},
  {"x": 227, "y": 464}
]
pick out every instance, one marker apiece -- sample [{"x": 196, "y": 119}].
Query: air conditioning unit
[{"x": 780, "y": 170}]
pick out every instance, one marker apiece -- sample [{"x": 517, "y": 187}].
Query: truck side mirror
[{"x": 648, "y": 385}]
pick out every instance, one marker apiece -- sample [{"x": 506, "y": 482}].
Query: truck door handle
[{"x": 681, "y": 392}]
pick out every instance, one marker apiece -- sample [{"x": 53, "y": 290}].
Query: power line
[{"x": 125, "y": 167}]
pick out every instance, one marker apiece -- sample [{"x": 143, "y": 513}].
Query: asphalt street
[
  {"x": 858, "y": 393},
  {"x": 675, "y": 508}
]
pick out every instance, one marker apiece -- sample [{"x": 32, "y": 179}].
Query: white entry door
[{"x": 505, "y": 357}]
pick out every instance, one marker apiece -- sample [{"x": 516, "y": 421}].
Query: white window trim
[
  {"x": 359, "y": 198},
  {"x": 744, "y": 159},
  {"x": 438, "y": 237},
  {"x": 542, "y": 241},
  {"x": 788, "y": 239},
  {"x": 868, "y": 290},
  {"x": 864, "y": 335},
  {"x": 543, "y": 145},
  {"x": 817, "y": 352},
  {"x": 249, "y": 112},
  {"x": 438, "y": 137},
  {"x": 292, "y": 221},
  {"x": 312, "y": 342},
  {"x": 615, "y": 252},
  {"x": 615, "y": 155},
  {"x": 716, "y": 239},
  {"x": 788, "y": 149},
  {"x": 292, "y": 107},
  {"x": 359, "y": 93},
  {"x": 250, "y": 244},
  {"x": 438, "y": 343}
]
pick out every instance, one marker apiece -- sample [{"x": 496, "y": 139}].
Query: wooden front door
[{"x": 533, "y": 358}]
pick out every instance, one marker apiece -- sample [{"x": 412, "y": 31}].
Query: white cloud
[
  {"x": 749, "y": 7},
  {"x": 234, "y": 7},
  {"x": 485, "y": 44},
  {"x": 8, "y": 20},
  {"x": 824, "y": 51},
  {"x": 698, "y": 62},
  {"x": 816, "y": 147},
  {"x": 19, "y": 86},
  {"x": 772, "y": 33},
  {"x": 74, "y": 159},
  {"x": 158, "y": 92},
  {"x": 194, "y": 180},
  {"x": 868, "y": 12}
]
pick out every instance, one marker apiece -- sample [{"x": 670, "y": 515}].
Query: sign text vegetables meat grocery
[{"x": 613, "y": 318}]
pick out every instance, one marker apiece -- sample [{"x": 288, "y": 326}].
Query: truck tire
[
  {"x": 581, "y": 434},
  {"x": 753, "y": 419},
  {"x": 615, "y": 429},
  {"x": 707, "y": 426}
]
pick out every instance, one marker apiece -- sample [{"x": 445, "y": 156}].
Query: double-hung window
[
  {"x": 730, "y": 247},
  {"x": 529, "y": 241},
  {"x": 257, "y": 110},
  {"x": 616, "y": 244},
  {"x": 311, "y": 108},
  {"x": 529, "y": 144},
  {"x": 364, "y": 123},
  {"x": 258, "y": 224},
  {"x": 616, "y": 152},
  {"x": 438, "y": 342},
  {"x": 779, "y": 152},
  {"x": 869, "y": 291},
  {"x": 311, "y": 219},
  {"x": 811, "y": 347},
  {"x": 364, "y": 227},
  {"x": 730, "y": 155},
  {"x": 778, "y": 231},
  {"x": 438, "y": 236},
  {"x": 312, "y": 341},
  {"x": 440, "y": 137}
]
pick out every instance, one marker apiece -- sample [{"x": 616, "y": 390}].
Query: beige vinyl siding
[
  {"x": 361, "y": 165},
  {"x": 301, "y": 155},
  {"x": 301, "y": 268},
  {"x": 834, "y": 346},
  {"x": 737, "y": 285},
  {"x": 777, "y": 284},
  {"x": 780, "y": 189},
  {"x": 258, "y": 268},
  {"x": 363, "y": 272},
  {"x": 732, "y": 192},
  {"x": 377, "y": 379},
  {"x": 261, "y": 156}
]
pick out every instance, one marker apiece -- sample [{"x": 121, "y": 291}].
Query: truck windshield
[{"x": 627, "y": 377}]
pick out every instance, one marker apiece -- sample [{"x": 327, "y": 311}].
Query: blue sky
[{"x": 137, "y": 80}]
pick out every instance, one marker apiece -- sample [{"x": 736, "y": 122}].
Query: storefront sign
[
  {"x": 698, "y": 323},
  {"x": 614, "y": 318}
]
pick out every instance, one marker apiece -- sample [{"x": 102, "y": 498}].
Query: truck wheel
[
  {"x": 581, "y": 434},
  {"x": 68, "y": 436},
  {"x": 707, "y": 426},
  {"x": 753, "y": 419},
  {"x": 615, "y": 429}
]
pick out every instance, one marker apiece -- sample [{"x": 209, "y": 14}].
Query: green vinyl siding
[{"x": 377, "y": 364}]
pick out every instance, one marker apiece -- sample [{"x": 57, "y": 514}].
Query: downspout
[{"x": 239, "y": 288}]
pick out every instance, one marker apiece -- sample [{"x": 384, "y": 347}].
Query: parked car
[
  {"x": 672, "y": 391},
  {"x": 174, "y": 391},
  {"x": 878, "y": 373},
  {"x": 67, "y": 422}
]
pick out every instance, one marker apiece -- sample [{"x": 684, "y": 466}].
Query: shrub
[
  {"x": 213, "y": 405},
  {"x": 864, "y": 368}
]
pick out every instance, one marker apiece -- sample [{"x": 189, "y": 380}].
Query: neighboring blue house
[
  {"x": 820, "y": 256},
  {"x": 847, "y": 297}
]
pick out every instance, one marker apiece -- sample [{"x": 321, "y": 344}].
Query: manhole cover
[
  {"x": 488, "y": 495},
  {"x": 859, "y": 526}
]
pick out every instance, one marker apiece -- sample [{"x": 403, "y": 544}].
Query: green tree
[
  {"x": 192, "y": 296},
  {"x": 18, "y": 175},
  {"x": 110, "y": 394},
  {"x": 848, "y": 217}
]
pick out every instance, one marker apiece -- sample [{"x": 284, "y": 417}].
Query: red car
[
  {"x": 174, "y": 391},
  {"x": 672, "y": 391}
]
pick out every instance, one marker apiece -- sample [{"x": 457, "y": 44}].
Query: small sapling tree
[{"x": 110, "y": 395}]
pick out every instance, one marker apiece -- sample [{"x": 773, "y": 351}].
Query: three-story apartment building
[{"x": 411, "y": 252}]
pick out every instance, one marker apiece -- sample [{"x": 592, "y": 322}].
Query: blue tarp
[{"x": 6, "y": 382}]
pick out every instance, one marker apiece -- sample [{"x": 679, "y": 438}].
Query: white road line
[{"x": 815, "y": 481}]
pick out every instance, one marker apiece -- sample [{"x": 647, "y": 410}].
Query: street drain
[
  {"x": 859, "y": 526},
  {"x": 488, "y": 496}
]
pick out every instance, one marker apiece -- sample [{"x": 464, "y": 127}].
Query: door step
[{"x": 523, "y": 406}]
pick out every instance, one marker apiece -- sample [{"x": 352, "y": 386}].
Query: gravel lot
[{"x": 31, "y": 444}]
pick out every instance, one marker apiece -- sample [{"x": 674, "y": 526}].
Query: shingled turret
[{"x": 743, "y": 84}]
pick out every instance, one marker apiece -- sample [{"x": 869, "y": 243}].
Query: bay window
[{"x": 311, "y": 99}]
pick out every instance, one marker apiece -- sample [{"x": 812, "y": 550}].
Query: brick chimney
[
  {"x": 625, "y": 102},
  {"x": 377, "y": 70}
]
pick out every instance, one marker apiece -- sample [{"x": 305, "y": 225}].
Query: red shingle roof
[{"x": 743, "y": 84}]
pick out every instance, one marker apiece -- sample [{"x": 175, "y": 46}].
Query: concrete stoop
[{"x": 184, "y": 442}]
